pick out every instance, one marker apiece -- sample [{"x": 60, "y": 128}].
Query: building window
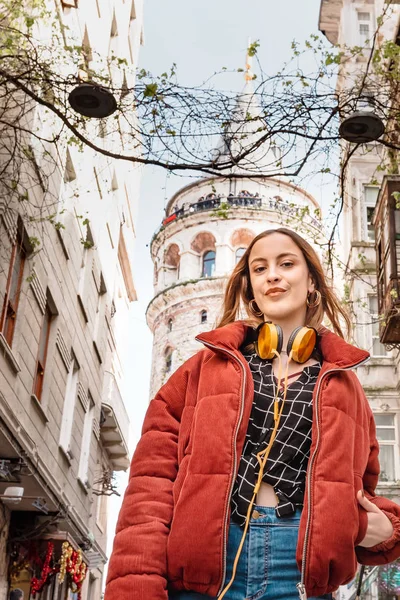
[
  {"x": 170, "y": 325},
  {"x": 168, "y": 360},
  {"x": 69, "y": 405},
  {"x": 203, "y": 316},
  {"x": 370, "y": 198},
  {"x": 388, "y": 448},
  {"x": 364, "y": 28},
  {"x": 377, "y": 349},
  {"x": 42, "y": 353},
  {"x": 101, "y": 510},
  {"x": 83, "y": 472},
  {"x": 208, "y": 264},
  {"x": 238, "y": 254},
  {"x": 13, "y": 290}
]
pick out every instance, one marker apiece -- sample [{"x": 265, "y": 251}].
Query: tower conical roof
[{"x": 246, "y": 129}]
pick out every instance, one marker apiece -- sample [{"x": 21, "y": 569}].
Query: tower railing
[{"x": 225, "y": 203}]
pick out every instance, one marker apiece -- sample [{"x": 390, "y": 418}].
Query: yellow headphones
[{"x": 269, "y": 342}]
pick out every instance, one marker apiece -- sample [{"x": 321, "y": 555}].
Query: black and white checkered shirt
[{"x": 287, "y": 462}]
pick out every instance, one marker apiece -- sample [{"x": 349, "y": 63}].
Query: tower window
[
  {"x": 208, "y": 264},
  {"x": 238, "y": 254},
  {"x": 203, "y": 316},
  {"x": 170, "y": 325},
  {"x": 168, "y": 360}
]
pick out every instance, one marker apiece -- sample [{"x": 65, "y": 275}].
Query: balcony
[
  {"x": 114, "y": 426},
  {"x": 230, "y": 203}
]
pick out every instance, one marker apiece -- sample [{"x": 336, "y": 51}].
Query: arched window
[
  {"x": 208, "y": 264},
  {"x": 238, "y": 254},
  {"x": 168, "y": 360},
  {"x": 170, "y": 325},
  {"x": 172, "y": 261},
  {"x": 203, "y": 316}
]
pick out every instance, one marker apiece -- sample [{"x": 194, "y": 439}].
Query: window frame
[
  {"x": 237, "y": 258},
  {"x": 373, "y": 322},
  {"x": 208, "y": 261},
  {"x": 368, "y": 203},
  {"x": 84, "y": 457},
  {"x": 10, "y": 310},
  {"x": 393, "y": 443},
  {"x": 68, "y": 410},
  {"x": 40, "y": 369},
  {"x": 362, "y": 21},
  {"x": 168, "y": 360}
]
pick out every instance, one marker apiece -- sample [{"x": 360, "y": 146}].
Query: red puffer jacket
[{"x": 173, "y": 524}]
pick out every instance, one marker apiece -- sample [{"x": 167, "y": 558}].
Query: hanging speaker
[
  {"x": 361, "y": 127},
  {"x": 91, "y": 100}
]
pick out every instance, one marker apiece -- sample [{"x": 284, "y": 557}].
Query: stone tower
[{"x": 207, "y": 227}]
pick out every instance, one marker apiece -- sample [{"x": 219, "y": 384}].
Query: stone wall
[{"x": 177, "y": 326}]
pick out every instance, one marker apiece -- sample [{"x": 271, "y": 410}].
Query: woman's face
[{"x": 277, "y": 263}]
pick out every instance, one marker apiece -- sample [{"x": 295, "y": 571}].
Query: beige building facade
[{"x": 65, "y": 299}]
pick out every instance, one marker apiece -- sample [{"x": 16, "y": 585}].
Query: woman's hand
[{"x": 379, "y": 527}]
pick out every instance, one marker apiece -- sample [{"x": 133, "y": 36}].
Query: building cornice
[{"x": 329, "y": 19}]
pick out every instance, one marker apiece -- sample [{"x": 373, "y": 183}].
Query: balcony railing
[
  {"x": 227, "y": 203},
  {"x": 114, "y": 426}
]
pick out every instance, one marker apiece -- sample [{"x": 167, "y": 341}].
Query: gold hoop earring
[
  {"x": 317, "y": 300},
  {"x": 257, "y": 313}
]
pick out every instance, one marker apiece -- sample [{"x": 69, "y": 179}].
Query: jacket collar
[{"x": 333, "y": 348}]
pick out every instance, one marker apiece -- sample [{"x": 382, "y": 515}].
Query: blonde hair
[{"x": 239, "y": 291}]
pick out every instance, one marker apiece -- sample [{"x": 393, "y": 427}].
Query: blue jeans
[{"x": 267, "y": 568}]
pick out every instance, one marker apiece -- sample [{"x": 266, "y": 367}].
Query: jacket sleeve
[
  {"x": 388, "y": 550},
  {"x": 138, "y": 564}
]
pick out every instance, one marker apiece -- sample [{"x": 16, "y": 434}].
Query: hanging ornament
[
  {"x": 66, "y": 553},
  {"x": 38, "y": 584},
  {"x": 73, "y": 567}
]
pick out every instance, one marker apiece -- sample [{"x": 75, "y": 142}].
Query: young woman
[{"x": 255, "y": 474}]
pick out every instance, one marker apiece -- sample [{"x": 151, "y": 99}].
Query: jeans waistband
[{"x": 267, "y": 515}]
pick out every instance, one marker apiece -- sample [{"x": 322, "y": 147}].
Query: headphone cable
[{"x": 262, "y": 458}]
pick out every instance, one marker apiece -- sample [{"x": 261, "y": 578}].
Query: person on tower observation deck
[{"x": 256, "y": 471}]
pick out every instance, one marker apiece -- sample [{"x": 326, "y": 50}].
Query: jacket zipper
[
  {"x": 234, "y": 454},
  {"x": 301, "y": 586}
]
